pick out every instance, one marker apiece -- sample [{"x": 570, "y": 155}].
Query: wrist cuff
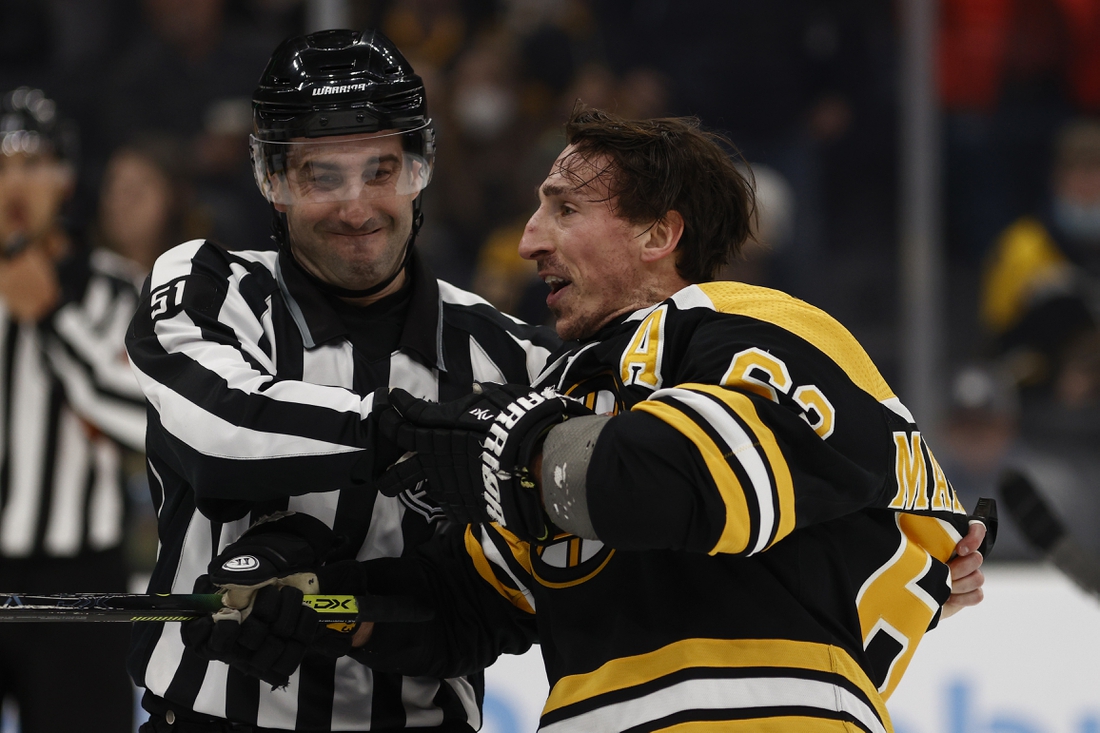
[{"x": 565, "y": 457}]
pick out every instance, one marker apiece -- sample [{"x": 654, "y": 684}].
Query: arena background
[{"x": 892, "y": 144}]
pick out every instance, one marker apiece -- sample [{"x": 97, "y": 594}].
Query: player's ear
[{"x": 664, "y": 236}]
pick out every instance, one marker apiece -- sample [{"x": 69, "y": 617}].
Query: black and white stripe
[
  {"x": 67, "y": 394},
  {"x": 754, "y": 697},
  {"x": 258, "y": 402}
]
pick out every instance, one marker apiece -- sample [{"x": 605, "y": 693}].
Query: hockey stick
[
  {"x": 1042, "y": 529},
  {"x": 126, "y": 607}
]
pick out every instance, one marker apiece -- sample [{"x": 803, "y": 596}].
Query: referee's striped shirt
[
  {"x": 68, "y": 399},
  {"x": 257, "y": 399}
]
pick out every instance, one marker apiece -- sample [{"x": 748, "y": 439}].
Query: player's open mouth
[{"x": 556, "y": 283}]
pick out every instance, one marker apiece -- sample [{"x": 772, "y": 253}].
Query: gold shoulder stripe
[
  {"x": 777, "y": 724},
  {"x": 485, "y": 567},
  {"x": 805, "y": 321},
  {"x": 735, "y": 535},
  {"x": 627, "y": 672},
  {"x": 784, "y": 484}
]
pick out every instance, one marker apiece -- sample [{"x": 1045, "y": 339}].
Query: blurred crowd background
[{"x": 807, "y": 90}]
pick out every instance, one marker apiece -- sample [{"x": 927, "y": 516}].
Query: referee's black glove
[
  {"x": 265, "y": 630},
  {"x": 475, "y": 452}
]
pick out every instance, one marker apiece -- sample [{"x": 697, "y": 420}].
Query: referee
[
  {"x": 68, "y": 403},
  {"x": 259, "y": 367}
]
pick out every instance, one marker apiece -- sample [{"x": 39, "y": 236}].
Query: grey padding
[{"x": 565, "y": 457}]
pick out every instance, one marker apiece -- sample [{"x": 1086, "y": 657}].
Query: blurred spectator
[
  {"x": 1042, "y": 281},
  {"x": 190, "y": 73},
  {"x": 68, "y": 47},
  {"x": 1011, "y": 72},
  {"x": 432, "y": 30},
  {"x": 980, "y": 439},
  {"x": 774, "y": 225},
  {"x": 987, "y": 431},
  {"x": 778, "y": 77},
  {"x": 483, "y": 135},
  {"x": 70, "y": 403},
  {"x": 1040, "y": 301},
  {"x": 146, "y": 203},
  {"x": 643, "y": 94}
]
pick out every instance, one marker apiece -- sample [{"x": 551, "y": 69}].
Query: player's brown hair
[{"x": 670, "y": 164}]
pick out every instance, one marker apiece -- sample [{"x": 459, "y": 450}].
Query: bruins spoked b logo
[{"x": 569, "y": 561}]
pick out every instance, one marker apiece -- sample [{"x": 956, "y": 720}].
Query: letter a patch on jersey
[{"x": 641, "y": 362}]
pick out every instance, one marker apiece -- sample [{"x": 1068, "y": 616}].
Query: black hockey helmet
[
  {"x": 339, "y": 83},
  {"x": 30, "y": 124}
]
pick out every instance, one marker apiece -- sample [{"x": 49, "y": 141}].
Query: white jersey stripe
[
  {"x": 720, "y": 694},
  {"x": 465, "y": 692},
  {"x": 483, "y": 367},
  {"x": 28, "y": 447},
  {"x": 111, "y": 415},
  {"x": 213, "y": 436},
  {"x": 64, "y": 532},
  {"x": 349, "y": 705},
  {"x": 105, "y": 510},
  {"x": 417, "y": 694},
  {"x": 212, "y": 692},
  {"x": 741, "y": 445}
]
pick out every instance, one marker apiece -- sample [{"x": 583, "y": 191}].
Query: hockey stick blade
[
  {"x": 131, "y": 607},
  {"x": 1045, "y": 532}
]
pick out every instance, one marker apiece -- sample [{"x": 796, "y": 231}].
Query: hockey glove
[
  {"x": 285, "y": 548},
  {"x": 265, "y": 630},
  {"x": 475, "y": 452}
]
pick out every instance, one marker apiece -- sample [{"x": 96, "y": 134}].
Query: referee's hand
[{"x": 270, "y": 643}]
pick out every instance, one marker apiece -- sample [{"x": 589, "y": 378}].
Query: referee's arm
[
  {"x": 201, "y": 349},
  {"x": 85, "y": 348}
]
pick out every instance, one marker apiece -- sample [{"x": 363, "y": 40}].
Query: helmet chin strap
[{"x": 329, "y": 288}]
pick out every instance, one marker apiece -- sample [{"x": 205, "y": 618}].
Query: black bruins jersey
[{"x": 774, "y": 531}]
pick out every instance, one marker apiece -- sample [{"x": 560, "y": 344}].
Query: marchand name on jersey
[{"x": 319, "y": 91}]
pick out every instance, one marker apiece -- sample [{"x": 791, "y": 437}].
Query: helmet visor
[{"x": 344, "y": 168}]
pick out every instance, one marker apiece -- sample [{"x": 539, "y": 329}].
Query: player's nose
[{"x": 534, "y": 243}]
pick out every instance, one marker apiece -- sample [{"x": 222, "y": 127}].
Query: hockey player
[
  {"x": 259, "y": 366},
  {"x": 717, "y": 511}
]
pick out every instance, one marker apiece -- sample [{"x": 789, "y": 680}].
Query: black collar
[{"x": 421, "y": 334}]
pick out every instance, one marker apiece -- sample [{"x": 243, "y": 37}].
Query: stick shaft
[
  {"x": 127, "y": 607},
  {"x": 1045, "y": 532}
]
